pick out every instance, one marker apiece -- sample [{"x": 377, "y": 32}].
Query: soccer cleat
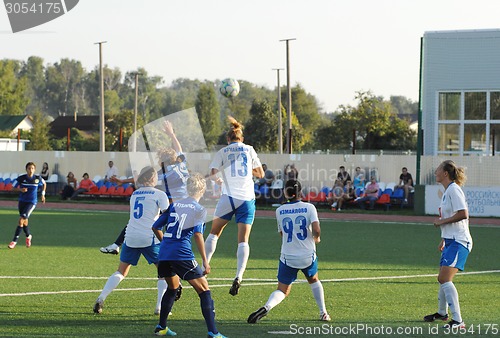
[
  {"x": 215, "y": 335},
  {"x": 257, "y": 315},
  {"x": 452, "y": 324},
  {"x": 99, "y": 304},
  {"x": 233, "y": 291},
  {"x": 160, "y": 331},
  {"x": 325, "y": 317},
  {"x": 111, "y": 249},
  {"x": 28, "y": 241},
  {"x": 178, "y": 294},
  {"x": 12, "y": 245},
  {"x": 434, "y": 316},
  {"x": 334, "y": 204}
]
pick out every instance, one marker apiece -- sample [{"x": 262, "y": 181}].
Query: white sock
[
  {"x": 274, "y": 299},
  {"x": 442, "y": 304},
  {"x": 451, "y": 293},
  {"x": 111, "y": 284},
  {"x": 162, "y": 287},
  {"x": 242, "y": 257},
  {"x": 319, "y": 296},
  {"x": 210, "y": 246}
]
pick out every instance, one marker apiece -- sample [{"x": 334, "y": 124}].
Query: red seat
[
  {"x": 318, "y": 197},
  {"x": 111, "y": 190},
  {"x": 102, "y": 190},
  {"x": 2, "y": 186},
  {"x": 129, "y": 191},
  {"x": 384, "y": 199},
  {"x": 119, "y": 191},
  {"x": 8, "y": 187}
]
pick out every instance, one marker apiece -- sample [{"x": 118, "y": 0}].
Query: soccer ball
[{"x": 229, "y": 88}]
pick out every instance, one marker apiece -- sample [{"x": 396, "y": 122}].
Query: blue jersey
[
  {"x": 173, "y": 180},
  {"x": 183, "y": 218},
  {"x": 31, "y": 183}
]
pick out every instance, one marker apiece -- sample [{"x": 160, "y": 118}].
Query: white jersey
[
  {"x": 298, "y": 249},
  {"x": 236, "y": 162},
  {"x": 145, "y": 206},
  {"x": 452, "y": 201}
]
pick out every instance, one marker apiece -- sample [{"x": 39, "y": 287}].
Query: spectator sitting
[
  {"x": 336, "y": 194},
  {"x": 343, "y": 175},
  {"x": 348, "y": 195},
  {"x": 371, "y": 194},
  {"x": 69, "y": 188},
  {"x": 359, "y": 179},
  {"x": 111, "y": 172},
  {"x": 405, "y": 182},
  {"x": 268, "y": 176},
  {"x": 85, "y": 185},
  {"x": 291, "y": 173},
  {"x": 45, "y": 174}
]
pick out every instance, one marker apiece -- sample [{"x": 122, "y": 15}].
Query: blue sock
[
  {"x": 17, "y": 233},
  {"x": 208, "y": 310},
  {"x": 166, "y": 306},
  {"x": 26, "y": 231}
]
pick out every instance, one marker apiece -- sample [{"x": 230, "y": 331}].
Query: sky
[{"x": 341, "y": 47}]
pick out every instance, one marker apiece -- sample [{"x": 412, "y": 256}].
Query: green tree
[
  {"x": 376, "y": 127},
  {"x": 207, "y": 108},
  {"x": 62, "y": 82},
  {"x": 34, "y": 72},
  {"x": 13, "y": 88},
  {"x": 261, "y": 130},
  {"x": 39, "y": 135},
  {"x": 306, "y": 109}
]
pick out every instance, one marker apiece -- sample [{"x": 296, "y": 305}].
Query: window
[
  {"x": 475, "y": 137},
  {"x": 495, "y": 105},
  {"x": 449, "y": 137},
  {"x": 449, "y": 106},
  {"x": 475, "y": 106}
]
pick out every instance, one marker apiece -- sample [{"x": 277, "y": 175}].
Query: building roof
[
  {"x": 11, "y": 122},
  {"x": 59, "y": 127}
]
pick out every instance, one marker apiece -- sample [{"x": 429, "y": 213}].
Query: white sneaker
[
  {"x": 325, "y": 317},
  {"x": 110, "y": 249},
  {"x": 334, "y": 204}
]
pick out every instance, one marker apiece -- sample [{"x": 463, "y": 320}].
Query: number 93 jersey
[
  {"x": 145, "y": 206},
  {"x": 237, "y": 160},
  {"x": 294, "y": 221}
]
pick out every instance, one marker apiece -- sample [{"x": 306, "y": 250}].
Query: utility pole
[
  {"x": 134, "y": 144},
  {"x": 280, "y": 124},
  {"x": 102, "y": 143},
  {"x": 289, "y": 94}
]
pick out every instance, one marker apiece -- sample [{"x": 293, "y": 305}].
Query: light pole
[
  {"x": 102, "y": 143},
  {"x": 280, "y": 125},
  {"x": 289, "y": 94}
]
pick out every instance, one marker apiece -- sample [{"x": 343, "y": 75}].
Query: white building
[{"x": 460, "y": 95}]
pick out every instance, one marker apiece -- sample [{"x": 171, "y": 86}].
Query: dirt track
[{"x": 340, "y": 216}]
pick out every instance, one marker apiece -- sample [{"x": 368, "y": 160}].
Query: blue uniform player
[
  {"x": 28, "y": 185},
  {"x": 184, "y": 219}
]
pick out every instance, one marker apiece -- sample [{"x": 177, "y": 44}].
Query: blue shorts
[
  {"x": 454, "y": 255},
  {"x": 25, "y": 209},
  {"x": 131, "y": 255},
  {"x": 287, "y": 275},
  {"x": 244, "y": 211},
  {"x": 186, "y": 270}
]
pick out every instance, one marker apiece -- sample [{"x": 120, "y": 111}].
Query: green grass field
[{"x": 379, "y": 278}]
